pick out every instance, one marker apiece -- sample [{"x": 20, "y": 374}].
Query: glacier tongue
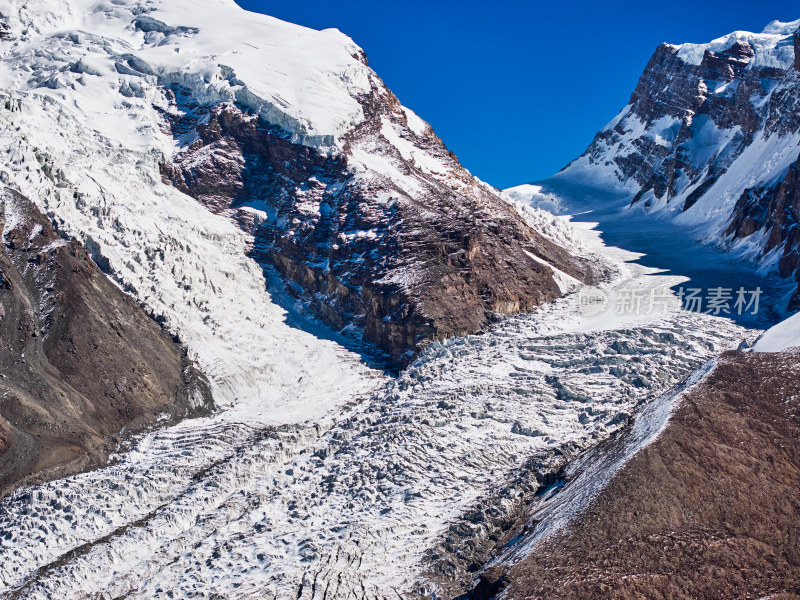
[
  {"x": 235, "y": 505},
  {"x": 379, "y": 502},
  {"x": 377, "y": 499}
]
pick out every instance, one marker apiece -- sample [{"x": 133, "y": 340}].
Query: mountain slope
[
  {"x": 708, "y": 509},
  {"x": 711, "y": 138},
  {"x": 367, "y": 217},
  {"x": 391, "y": 236},
  {"x": 80, "y": 361}
]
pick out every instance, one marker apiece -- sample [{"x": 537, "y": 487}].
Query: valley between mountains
[{"x": 264, "y": 337}]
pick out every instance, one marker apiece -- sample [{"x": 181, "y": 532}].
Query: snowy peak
[
  {"x": 780, "y": 28},
  {"x": 773, "y": 47},
  {"x": 711, "y": 138},
  {"x": 306, "y": 81}
]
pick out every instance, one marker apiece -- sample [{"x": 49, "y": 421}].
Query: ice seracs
[
  {"x": 304, "y": 80},
  {"x": 772, "y": 47}
]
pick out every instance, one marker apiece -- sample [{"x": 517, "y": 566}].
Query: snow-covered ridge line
[
  {"x": 773, "y": 46},
  {"x": 781, "y": 337},
  {"x": 303, "y": 80}
]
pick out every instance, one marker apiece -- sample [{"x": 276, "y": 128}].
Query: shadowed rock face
[
  {"x": 774, "y": 210},
  {"x": 670, "y": 87},
  {"x": 401, "y": 255},
  {"x": 80, "y": 360},
  {"x": 709, "y": 510}
]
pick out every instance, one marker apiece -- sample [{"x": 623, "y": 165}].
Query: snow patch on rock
[{"x": 782, "y": 336}]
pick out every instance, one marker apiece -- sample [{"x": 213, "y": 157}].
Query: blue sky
[{"x": 518, "y": 89}]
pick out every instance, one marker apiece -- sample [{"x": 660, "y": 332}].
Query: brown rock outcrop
[
  {"x": 80, "y": 360},
  {"x": 400, "y": 263},
  {"x": 774, "y": 210}
]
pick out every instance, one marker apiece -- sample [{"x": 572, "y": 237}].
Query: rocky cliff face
[
  {"x": 80, "y": 360},
  {"x": 389, "y": 238},
  {"x": 773, "y": 210},
  {"x": 712, "y": 136},
  {"x": 368, "y": 218}
]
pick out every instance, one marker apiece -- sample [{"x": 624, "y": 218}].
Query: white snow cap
[
  {"x": 774, "y": 47},
  {"x": 304, "y": 80},
  {"x": 782, "y": 336}
]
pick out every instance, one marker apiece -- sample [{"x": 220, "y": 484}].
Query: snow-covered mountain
[
  {"x": 229, "y": 172},
  {"x": 711, "y": 138},
  {"x": 282, "y": 130},
  {"x": 232, "y": 174}
]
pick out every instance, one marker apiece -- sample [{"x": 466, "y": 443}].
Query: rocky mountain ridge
[
  {"x": 711, "y": 137},
  {"x": 413, "y": 251}
]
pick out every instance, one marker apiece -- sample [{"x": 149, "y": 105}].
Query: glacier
[{"x": 319, "y": 476}]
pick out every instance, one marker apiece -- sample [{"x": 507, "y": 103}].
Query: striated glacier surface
[
  {"x": 398, "y": 493},
  {"x": 319, "y": 476}
]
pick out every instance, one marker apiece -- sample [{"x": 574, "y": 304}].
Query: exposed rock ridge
[
  {"x": 400, "y": 251},
  {"x": 775, "y": 211},
  {"x": 80, "y": 360},
  {"x": 714, "y": 141}
]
